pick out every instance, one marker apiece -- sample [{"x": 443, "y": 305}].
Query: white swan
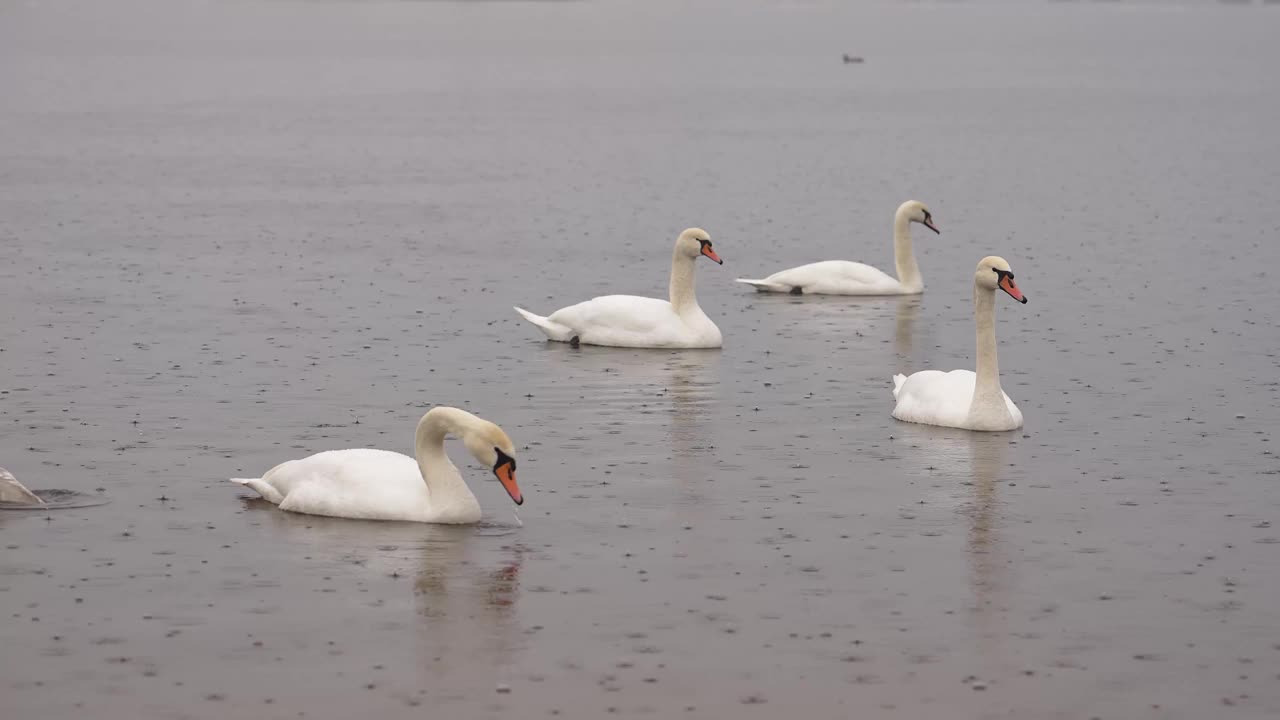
[
  {"x": 632, "y": 321},
  {"x": 12, "y": 491},
  {"x": 841, "y": 277},
  {"x": 961, "y": 398},
  {"x": 383, "y": 485}
]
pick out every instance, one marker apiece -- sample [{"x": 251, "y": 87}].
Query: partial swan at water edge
[{"x": 12, "y": 491}]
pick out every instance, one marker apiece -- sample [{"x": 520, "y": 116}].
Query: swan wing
[
  {"x": 835, "y": 277},
  {"x": 359, "y": 483},
  {"x": 934, "y": 397},
  {"x": 624, "y": 320}
]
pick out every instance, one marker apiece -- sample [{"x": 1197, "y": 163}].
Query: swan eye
[
  {"x": 1001, "y": 273},
  {"x": 705, "y": 243}
]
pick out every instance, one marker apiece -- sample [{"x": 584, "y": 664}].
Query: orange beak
[
  {"x": 928, "y": 222},
  {"x": 507, "y": 476},
  {"x": 1008, "y": 285},
  {"x": 706, "y": 250}
]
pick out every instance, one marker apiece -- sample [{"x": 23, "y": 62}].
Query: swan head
[
  {"x": 994, "y": 272},
  {"x": 491, "y": 446},
  {"x": 694, "y": 242},
  {"x": 917, "y": 212}
]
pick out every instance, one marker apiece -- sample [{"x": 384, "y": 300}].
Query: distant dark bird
[{"x": 852, "y": 59}]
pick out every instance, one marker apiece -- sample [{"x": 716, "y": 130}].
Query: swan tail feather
[
  {"x": 897, "y": 383},
  {"x": 552, "y": 330},
  {"x": 267, "y": 492},
  {"x": 12, "y": 491},
  {"x": 765, "y": 285}
]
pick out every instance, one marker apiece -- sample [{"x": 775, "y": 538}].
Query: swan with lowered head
[
  {"x": 961, "y": 398},
  {"x": 841, "y": 277},
  {"x": 12, "y": 491},
  {"x": 641, "y": 322},
  {"x": 383, "y": 485}
]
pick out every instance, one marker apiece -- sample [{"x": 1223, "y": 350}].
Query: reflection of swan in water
[
  {"x": 465, "y": 582},
  {"x": 904, "y": 325},
  {"x": 966, "y": 469},
  {"x": 988, "y": 561},
  {"x": 634, "y": 388},
  {"x": 986, "y": 460},
  {"x": 12, "y": 491},
  {"x": 690, "y": 387},
  {"x": 467, "y": 598},
  {"x": 649, "y": 416}
]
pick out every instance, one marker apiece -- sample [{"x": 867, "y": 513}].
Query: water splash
[{"x": 59, "y": 500}]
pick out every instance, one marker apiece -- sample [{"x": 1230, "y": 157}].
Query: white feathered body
[
  {"x": 834, "y": 277},
  {"x": 629, "y": 321},
  {"x": 364, "y": 484},
  {"x": 933, "y": 397}
]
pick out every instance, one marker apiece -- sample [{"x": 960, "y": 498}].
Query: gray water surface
[{"x": 237, "y": 233}]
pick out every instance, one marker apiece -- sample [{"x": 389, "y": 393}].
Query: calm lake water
[{"x": 234, "y": 233}]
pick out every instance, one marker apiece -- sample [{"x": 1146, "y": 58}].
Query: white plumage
[
  {"x": 642, "y": 322},
  {"x": 933, "y": 397},
  {"x": 830, "y": 277},
  {"x": 382, "y": 485},
  {"x": 963, "y": 398},
  {"x": 842, "y": 277}
]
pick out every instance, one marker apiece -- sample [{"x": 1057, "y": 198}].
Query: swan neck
[
  {"x": 683, "y": 297},
  {"x": 987, "y": 391},
  {"x": 904, "y": 257},
  {"x": 439, "y": 474}
]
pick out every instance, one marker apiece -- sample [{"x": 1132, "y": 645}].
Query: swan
[
  {"x": 641, "y": 322},
  {"x": 12, "y": 491},
  {"x": 383, "y": 485},
  {"x": 841, "y": 277},
  {"x": 961, "y": 398}
]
